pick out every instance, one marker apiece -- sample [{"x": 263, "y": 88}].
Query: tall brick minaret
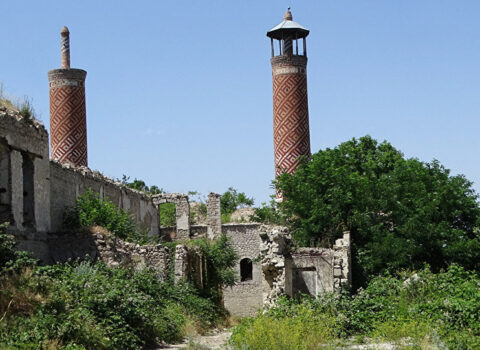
[
  {"x": 291, "y": 134},
  {"x": 68, "y": 117}
]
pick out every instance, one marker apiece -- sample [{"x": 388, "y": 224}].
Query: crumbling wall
[
  {"x": 190, "y": 264},
  {"x": 99, "y": 245},
  {"x": 181, "y": 263},
  {"x": 182, "y": 212},
  {"x": 275, "y": 262},
  {"x": 304, "y": 270},
  {"x": 244, "y": 298},
  {"x": 312, "y": 271},
  {"x": 214, "y": 216},
  {"x": 342, "y": 263},
  {"x": 25, "y": 140},
  {"x": 24, "y": 143},
  {"x": 68, "y": 182}
]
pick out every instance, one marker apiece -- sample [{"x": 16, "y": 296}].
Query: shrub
[
  {"x": 423, "y": 309},
  {"x": 90, "y": 210},
  {"x": 286, "y": 327},
  {"x": 98, "y": 307},
  {"x": 167, "y": 214},
  {"x": 10, "y": 258}
]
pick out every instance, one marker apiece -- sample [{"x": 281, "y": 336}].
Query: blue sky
[{"x": 179, "y": 93}]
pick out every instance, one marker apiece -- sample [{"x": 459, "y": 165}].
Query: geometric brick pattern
[
  {"x": 68, "y": 124},
  {"x": 291, "y": 132}
]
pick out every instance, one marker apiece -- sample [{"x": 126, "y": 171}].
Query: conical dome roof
[{"x": 288, "y": 28}]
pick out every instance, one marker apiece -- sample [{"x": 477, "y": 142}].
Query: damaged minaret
[
  {"x": 68, "y": 117},
  {"x": 291, "y": 133}
]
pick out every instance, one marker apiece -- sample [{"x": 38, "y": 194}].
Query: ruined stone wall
[
  {"x": 182, "y": 213},
  {"x": 342, "y": 263},
  {"x": 101, "y": 245},
  {"x": 214, "y": 216},
  {"x": 24, "y": 180},
  {"x": 245, "y": 298},
  {"x": 25, "y": 186},
  {"x": 295, "y": 272},
  {"x": 67, "y": 183},
  {"x": 275, "y": 262},
  {"x": 312, "y": 271}
]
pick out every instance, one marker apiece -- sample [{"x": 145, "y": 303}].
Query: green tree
[
  {"x": 401, "y": 212},
  {"x": 231, "y": 200},
  {"x": 140, "y": 185}
]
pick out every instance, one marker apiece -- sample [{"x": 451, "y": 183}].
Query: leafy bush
[
  {"x": 10, "y": 258},
  {"x": 231, "y": 200},
  {"x": 98, "y": 307},
  {"x": 90, "y": 210},
  {"x": 401, "y": 212},
  {"x": 440, "y": 310},
  {"x": 167, "y": 214},
  {"x": 220, "y": 258},
  {"x": 87, "y": 305}
]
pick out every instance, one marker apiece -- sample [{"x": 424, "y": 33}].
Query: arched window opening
[{"x": 246, "y": 270}]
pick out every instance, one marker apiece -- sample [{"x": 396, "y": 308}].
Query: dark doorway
[
  {"x": 5, "y": 185},
  {"x": 28, "y": 191},
  {"x": 246, "y": 270},
  {"x": 304, "y": 281}
]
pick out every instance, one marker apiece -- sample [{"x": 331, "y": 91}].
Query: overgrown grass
[
  {"x": 23, "y": 105},
  {"x": 429, "y": 310},
  {"x": 90, "y": 210},
  {"x": 300, "y": 328},
  {"x": 86, "y": 305}
]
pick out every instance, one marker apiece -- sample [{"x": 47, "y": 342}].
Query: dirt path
[{"x": 204, "y": 342}]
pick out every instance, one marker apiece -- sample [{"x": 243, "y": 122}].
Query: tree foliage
[
  {"x": 140, "y": 185},
  {"x": 401, "y": 212},
  {"x": 231, "y": 200}
]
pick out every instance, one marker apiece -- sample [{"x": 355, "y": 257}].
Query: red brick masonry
[
  {"x": 291, "y": 132},
  {"x": 68, "y": 119}
]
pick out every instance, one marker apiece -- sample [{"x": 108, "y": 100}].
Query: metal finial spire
[{"x": 288, "y": 15}]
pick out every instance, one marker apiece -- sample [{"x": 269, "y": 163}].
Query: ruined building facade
[{"x": 36, "y": 192}]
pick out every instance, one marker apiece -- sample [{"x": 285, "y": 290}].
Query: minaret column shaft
[
  {"x": 68, "y": 115},
  {"x": 291, "y": 132}
]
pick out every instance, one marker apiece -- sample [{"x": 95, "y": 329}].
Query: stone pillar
[
  {"x": 181, "y": 263},
  {"x": 342, "y": 263},
  {"x": 68, "y": 117},
  {"x": 214, "y": 216},
  {"x": 182, "y": 213},
  {"x": 17, "y": 188}
]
